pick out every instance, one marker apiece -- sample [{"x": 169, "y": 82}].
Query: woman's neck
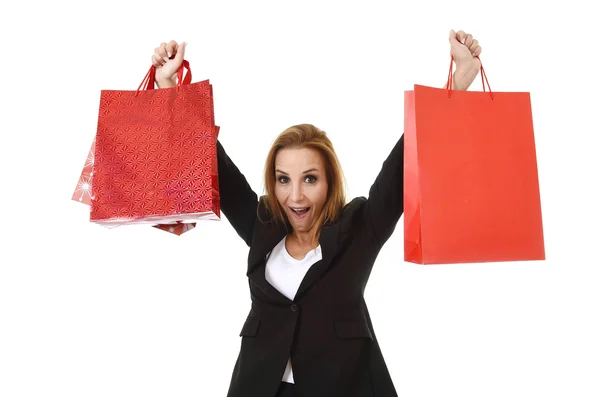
[{"x": 303, "y": 239}]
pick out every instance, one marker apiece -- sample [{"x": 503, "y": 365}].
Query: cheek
[
  {"x": 280, "y": 194},
  {"x": 322, "y": 195}
]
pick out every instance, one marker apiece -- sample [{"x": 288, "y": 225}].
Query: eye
[
  {"x": 283, "y": 179},
  {"x": 310, "y": 179}
]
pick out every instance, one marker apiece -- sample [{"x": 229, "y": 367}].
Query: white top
[{"x": 285, "y": 274}]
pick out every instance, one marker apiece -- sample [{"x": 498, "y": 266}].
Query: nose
[{"x": 297, "y": 192}]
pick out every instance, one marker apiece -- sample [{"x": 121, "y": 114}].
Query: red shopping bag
[
  {"x": 154, "y": 159},
  {"x": 83, "y": 191},
  {"x": 471, "y": 191}
]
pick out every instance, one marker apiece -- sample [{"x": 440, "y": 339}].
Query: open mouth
[{"x": 300, "y": 211}]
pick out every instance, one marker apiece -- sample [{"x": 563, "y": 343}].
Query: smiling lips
[{"x": 299, "y": 212}]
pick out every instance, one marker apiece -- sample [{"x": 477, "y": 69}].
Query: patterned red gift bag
[
  {"x": 83, "y": 189},
  {"x": 154, "y": 157}
]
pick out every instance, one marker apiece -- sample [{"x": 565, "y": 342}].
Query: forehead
[{"x": 298, "y": 158}]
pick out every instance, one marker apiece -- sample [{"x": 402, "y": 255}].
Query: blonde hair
[{"x": 308, "y": 136}]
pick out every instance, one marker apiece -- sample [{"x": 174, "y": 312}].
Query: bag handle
[
  {"x": 149, "y": 79},
  {"x": 483, "y": 75}
]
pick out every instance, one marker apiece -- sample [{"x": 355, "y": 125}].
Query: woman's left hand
[{"x": 464, "y": 48}]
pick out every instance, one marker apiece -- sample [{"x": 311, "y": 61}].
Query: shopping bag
[
  {"x": 155, "y": 155},
  {"x": 471, "y": 191},
  {"x": 83, "y": 189}
]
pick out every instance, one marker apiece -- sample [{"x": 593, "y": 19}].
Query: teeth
[{"x": 299, "y": 210}]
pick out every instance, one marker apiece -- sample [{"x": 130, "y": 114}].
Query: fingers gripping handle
[{"x": 149, "y": 80}]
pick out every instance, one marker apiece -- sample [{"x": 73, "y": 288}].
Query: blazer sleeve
[
  {"x": 238, "y": 201},
  {"x": 385, "y": 204}
]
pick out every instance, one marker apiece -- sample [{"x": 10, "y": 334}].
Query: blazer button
[{"x": 294, "y": 307}]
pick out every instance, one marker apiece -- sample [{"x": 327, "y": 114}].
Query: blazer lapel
[
  {"x": 268, "y": 235},
  {"x": 329, "y": 241}
]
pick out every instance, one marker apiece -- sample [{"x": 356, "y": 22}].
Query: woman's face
[{"x": 300, "y": 185}]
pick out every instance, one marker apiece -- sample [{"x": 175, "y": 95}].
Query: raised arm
[
  {"x": 238, "y": 200},
  {"x": 385, "y": 204}
]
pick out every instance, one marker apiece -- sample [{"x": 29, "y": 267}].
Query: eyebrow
[{"x": 305, "y": 172}]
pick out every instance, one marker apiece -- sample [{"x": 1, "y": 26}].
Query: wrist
[
  {"x": 165, "y": 83},
  {"x": 464, "y": 75}
]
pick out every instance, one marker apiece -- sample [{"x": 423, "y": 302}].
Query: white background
[{"x": 86, "y": 311}]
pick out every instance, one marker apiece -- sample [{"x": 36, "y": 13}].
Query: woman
[{"x": 308, "y": 332}]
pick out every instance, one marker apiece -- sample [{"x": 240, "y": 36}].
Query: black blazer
[{"x": 326, "y": 328}]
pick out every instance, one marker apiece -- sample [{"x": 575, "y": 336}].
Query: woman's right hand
[{"x": 166, "y": 68}]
